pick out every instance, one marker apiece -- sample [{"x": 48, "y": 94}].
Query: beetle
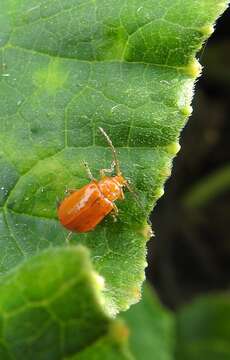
[{"x": 83, "y": 209}]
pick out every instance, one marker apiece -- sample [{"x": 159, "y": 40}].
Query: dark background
[{"x": 190, "y": 253}]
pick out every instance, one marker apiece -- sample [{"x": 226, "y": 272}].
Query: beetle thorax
[{"x": 111, "y": 187}]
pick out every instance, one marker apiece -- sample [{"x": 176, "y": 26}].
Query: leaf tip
[
  {"x": 160, "y": 192},
  {"x": 207, "y": 30},
  {"x": 193, "y": 69},
  {"x": 186, "y": 110},
  {"x": 173, "y": 148},
  {"x": 136, "y": 292},
  {"x": 166, "y": 171},
  {"x": 147, "y": 232}
]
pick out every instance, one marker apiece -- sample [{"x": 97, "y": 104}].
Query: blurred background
[{"x": 190, "y": 254}]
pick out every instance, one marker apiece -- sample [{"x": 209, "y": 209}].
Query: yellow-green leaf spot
[
  {"x": 193, "y": 69},
  {"x": 51, "y": 78}
]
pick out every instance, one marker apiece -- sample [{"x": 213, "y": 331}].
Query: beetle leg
[
  {"x": 58, "y": 202},
  {"x": 114, "y": 212},
  {"x": 104, "y": 171},
  {"x": 88, "y": 171},
  {"x": 114, "y": 217},
  {"x": 122, "y": 195},
  {"x": 68, "y": 237},
  {"x": 115, "y": 209},
  {"x": 70, "y": 191}
]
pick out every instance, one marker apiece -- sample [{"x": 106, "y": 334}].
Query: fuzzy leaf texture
[{"x": 68, "y": 67}]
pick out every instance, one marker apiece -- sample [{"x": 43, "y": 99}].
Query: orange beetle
[{"x": 83, "y": 209}]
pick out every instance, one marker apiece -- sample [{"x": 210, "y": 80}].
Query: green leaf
[
  {"x": 152, "y": 329},
  {"x": 51, "y": 308},
  {"x": 207, "y": 188},
  {"x": 68, "y": 67},
  {"x": 198, "y": 331},
  {"x": 203, "y": 329}
]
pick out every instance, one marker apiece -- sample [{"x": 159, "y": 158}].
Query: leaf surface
[
  {"x": 203, "y": 329},
  {"x": 43, "y": 317},
  {"x": 68, "y": 67},
  {"x": 152, "y": 328},
  {"x": 197, "y": 331}
]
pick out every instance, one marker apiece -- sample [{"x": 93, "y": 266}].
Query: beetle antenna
[{"x": 109, "y": 141}]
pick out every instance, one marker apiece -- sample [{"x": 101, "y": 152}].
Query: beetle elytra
[{"x": 83, "y": 209}]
